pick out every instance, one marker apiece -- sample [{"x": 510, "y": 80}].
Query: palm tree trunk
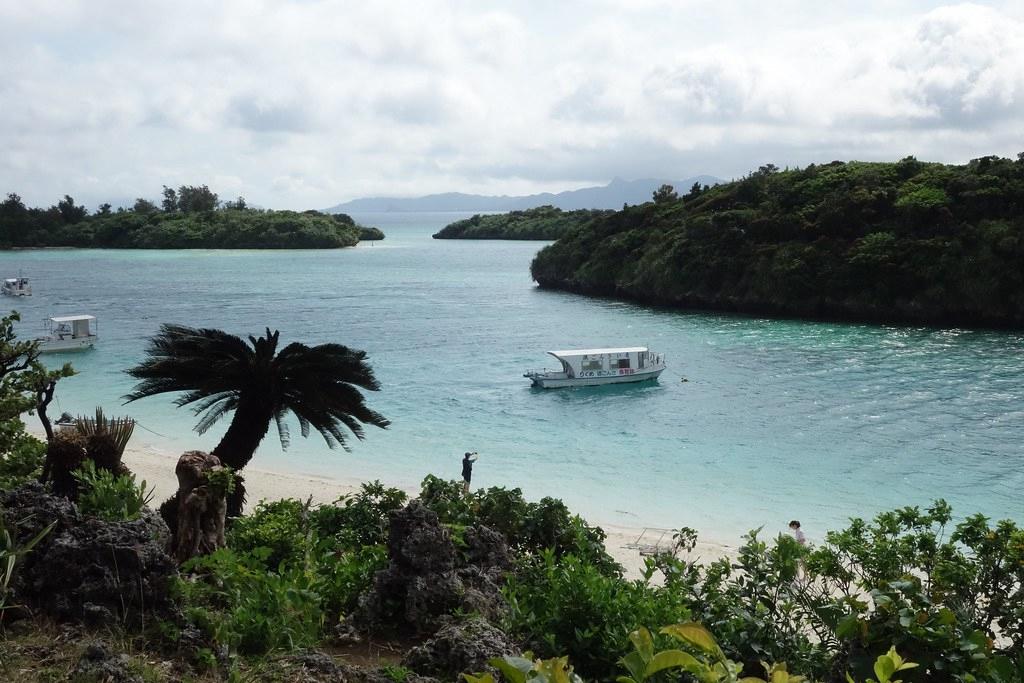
[{"x": 248, "y": 427}]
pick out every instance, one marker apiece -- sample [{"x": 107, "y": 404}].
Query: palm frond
[{"x": 215, "y": 373}]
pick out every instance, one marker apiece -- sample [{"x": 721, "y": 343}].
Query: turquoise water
[{"x": 778, "y": 419}]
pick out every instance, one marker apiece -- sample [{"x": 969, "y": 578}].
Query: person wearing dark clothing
[{"x": 467, "y": 470}]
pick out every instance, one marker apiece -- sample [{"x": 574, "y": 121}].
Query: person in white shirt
[{"x": 794, "y": 526}]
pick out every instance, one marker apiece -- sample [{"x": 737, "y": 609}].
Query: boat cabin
[
  {"x": 69, "y": 333},
  {"x": 606, "y": 362},
  {"x": 72, "y": 327}
]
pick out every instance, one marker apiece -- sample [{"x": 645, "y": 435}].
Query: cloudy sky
[{"x": 305, "y": 104}]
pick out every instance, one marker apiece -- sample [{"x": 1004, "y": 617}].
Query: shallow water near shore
[{"x": 779, "y": 419}]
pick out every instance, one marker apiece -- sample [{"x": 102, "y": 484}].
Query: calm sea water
[{"x": 778, "y": 419}]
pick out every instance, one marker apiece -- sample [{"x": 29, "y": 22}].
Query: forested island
[
  {"x": 191, "y": 217},
  {"x": 541, "y": 223},
  {"x": 909, "y": 241}
]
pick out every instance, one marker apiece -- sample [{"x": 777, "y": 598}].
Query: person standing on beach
[
  {"x": 467, "y": 469},
  {"x": 801, "y": 568},
  {"x": 794, "y": 526}
]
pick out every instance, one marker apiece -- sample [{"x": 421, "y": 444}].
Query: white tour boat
[
  {"x": 591, "y": 367},
  {"x": 16, "y": 286},
  {"x": 69, "y": 333}
]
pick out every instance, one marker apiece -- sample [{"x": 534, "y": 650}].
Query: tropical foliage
[
  {"x": 291, "y": 570},
  {"x": 110, "y": 496},
  {"x": 906, "y": 241},
  {"x": 541, "y": 223},
  {"x": 947, "y": 598},
  {"x": 190, "y": 218},
  {"x": 24, "y": 382},
  {"x": 218, "y": 373},
  {"x": 13, "y": 549},
  {"x": 529, "y": 527}
]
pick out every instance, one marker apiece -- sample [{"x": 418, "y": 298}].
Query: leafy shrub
[
  {"x": 567, "y": 606},
  {"x": 549, "y": 524},
  {"x": 21, "y": 455},
  {"x": 338, "y": 548},
  {"x": 11, "y": 550},
  {"x": 954, "y": 602},
  {"x": 757, "y": 604},
  {"x": 700, "y": 658},
  {"x": 526, "y": 670},
  {"x": 340, "y": 578},
  {"x": 280, "y": 527},
  {"x": 109, "y": 496},
  {"x": 528, "y": 527},
  {"x": 359, "y": 519},
  {"x": 446, "y": 498},
  {"x": 239, "y": 604},
  {"x": 396, "y": 673},
  {"x": 221, "y": 480}
]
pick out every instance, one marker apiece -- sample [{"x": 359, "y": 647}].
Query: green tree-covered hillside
[
  {"x": 542, "y": 223},
  {"x": 906, "y": 241},
  {"x": 188, "y": 218}
]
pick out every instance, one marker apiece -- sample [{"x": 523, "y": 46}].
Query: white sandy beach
[
  {"x": 155, "y": 463},
  {"x": 157, "y": 469}
]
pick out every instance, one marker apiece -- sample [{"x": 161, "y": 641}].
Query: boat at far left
[
  {"x": 16, "y": 286},
  {"x": 69, "y": 333}
]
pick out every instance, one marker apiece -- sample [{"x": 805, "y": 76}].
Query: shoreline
[
  {"x": 155, "y": 465},
  {"x": 157, "y": 469}
]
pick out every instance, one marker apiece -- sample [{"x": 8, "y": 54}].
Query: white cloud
[{"x": 304, "y": 104}]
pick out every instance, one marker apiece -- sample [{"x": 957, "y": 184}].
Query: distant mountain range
[{"x": 610, "y": 196}]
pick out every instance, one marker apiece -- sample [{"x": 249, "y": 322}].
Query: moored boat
[
  {"x": 593, "y": 367},
  {"x": 16, "y": 286},
  {"x": 69, "y": 333}
]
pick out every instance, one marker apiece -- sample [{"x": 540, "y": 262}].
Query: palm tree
[{"x": 217, "y": 373}]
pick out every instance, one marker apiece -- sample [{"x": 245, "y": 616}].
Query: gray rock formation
[
  {"x": 87, "y": 569},
  {"x": 458, "y": 648},
  {"x": 98, "y": 664},
  {"x": 426, "y": 580}
]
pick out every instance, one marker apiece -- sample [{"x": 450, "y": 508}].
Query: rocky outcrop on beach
[
  {"x": 461, "y": 647},
  {"x": 427, "y": 580},
  {"x": 87, "y": 569}
]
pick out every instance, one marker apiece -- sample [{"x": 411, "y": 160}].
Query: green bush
[
  {"x": 954, "y": 601},
  {"x": 359, "y": 519},
  {"x": 528, "y": 527},
  {"x": 756, "y": 604},
  {"x": 109, "y": 496},
  {"x": 281, "y": 528},
  {"x": 446, "y": 498},
  {"x": 338, "y": 548},
  {"x": 340, "y": 578},
  {"x": 238, "y": 603},
  {"x": 567, "y": 606},
  {"x": 21, "y": 455},
  {"x": 11, "y": 550}
]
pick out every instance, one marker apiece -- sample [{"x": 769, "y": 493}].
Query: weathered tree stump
[{"x": 201, "y": 507}]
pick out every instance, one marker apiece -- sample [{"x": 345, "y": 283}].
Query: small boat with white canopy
[
  {"x": 593, "y": 367},
  {"x": 16, "y": 286},
  {"x": 69, "y": 333}
]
